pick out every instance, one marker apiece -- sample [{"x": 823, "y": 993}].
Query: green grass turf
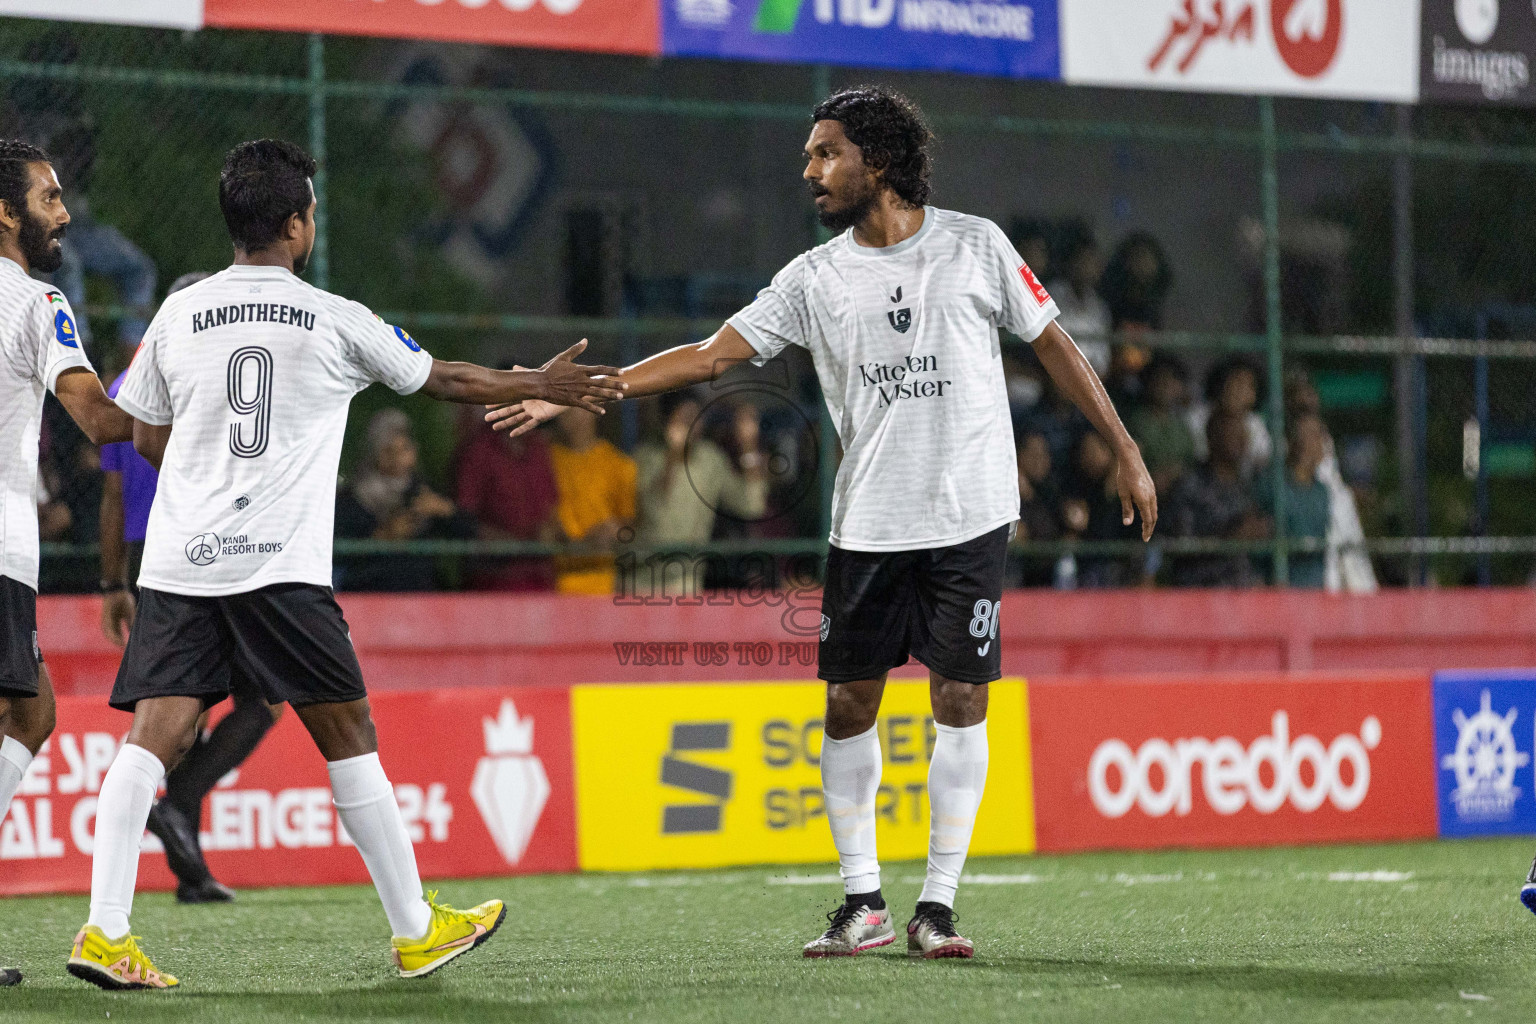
[{"x": 1427, "y": 931}]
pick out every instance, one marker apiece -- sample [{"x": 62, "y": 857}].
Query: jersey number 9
[{"x": 250, "y": 394}]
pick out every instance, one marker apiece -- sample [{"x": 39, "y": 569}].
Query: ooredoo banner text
[
  {"x": 483, "y": 777},
  {"x": 1231, "y": 761}
]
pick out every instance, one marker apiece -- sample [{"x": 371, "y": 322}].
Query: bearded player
[
  {"x": 901, "y": 314},
  {"x": 39, "y": 352},
  {"x": 240, "y": 389}
]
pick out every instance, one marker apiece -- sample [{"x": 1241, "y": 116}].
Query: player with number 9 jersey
[{"x": 256, "y": 369}]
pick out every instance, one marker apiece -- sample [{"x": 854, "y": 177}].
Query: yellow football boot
[
  {"x": 453, "y": 933},
  {"x": 119, "y": 964}
]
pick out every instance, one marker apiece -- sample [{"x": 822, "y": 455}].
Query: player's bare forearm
[
  {"x": 98, "y": 417},
  {"x": 560, "y": 381},
  {"x": 114, "y": 560},
  {"x": 1077, "y": 380},
  {"x": 688, "y": 365},
  {"x": 150, "y": 441}
]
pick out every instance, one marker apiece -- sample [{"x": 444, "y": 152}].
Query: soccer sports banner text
[
  {"x": 1013, "y": 38},
  {"x": 483, "y": 777},
  {"x": 1345, "y": 49},
  {"x": 1134, "y": 763},
  {"x": 709, "y": 775}
]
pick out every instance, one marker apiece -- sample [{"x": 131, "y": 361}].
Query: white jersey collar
[{"x": 905, "y": 245}]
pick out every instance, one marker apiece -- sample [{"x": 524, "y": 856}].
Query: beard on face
[
  {"x": 857, "y": 207},
  {"x": 39, "y": 245},
  {"x": 301, "y": 262}
]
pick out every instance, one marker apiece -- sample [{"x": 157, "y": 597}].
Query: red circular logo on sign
[{"x": 1307, "y": 33}]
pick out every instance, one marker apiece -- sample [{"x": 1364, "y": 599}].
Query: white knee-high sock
[
  {"x": 122, "y": 808},
  {"x": 956, "y": 777},
  {"x": 365, "y": 803},
  {"x": 14, "y": 759},
  {"x": 850, "y": 779}
]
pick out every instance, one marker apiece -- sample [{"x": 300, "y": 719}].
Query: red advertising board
[
  {"x": 608, "y": 26},
  {"x": 1135, "y": 763},
  {"x": 483, "y": 777}
]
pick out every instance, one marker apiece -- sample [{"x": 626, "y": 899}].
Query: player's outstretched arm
[
  {"x": 1076, "y": 379},
  {"x": 675, "y": 368},
  {"x": 560, "y": 381},
  {"x": 80, "y": 392}
]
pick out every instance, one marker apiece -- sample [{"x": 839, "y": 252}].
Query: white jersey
[
  {"x": 254, "y": 370},
  {"x": 38, "y": 341},
  {"x": 905, "y": 342}
]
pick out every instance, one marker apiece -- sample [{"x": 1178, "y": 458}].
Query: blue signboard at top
[
  {"x": 1012, "y": 38},
  {"x": 1485, "y": 734}
]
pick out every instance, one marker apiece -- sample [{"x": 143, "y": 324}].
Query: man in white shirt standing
[
  {"x": 39, "y": 352},
  {"x": 240, "y": 389},
  {"x": 901, "y": 317}
]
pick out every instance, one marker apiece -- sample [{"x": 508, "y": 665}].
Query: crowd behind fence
[{"x": 1270, "y": 430}]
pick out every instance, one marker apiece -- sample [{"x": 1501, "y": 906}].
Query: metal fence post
[
  {"x": 1274, "y": 330},
  {"x": 1405, "y": 367},
  {"x": 320, "y": 262}
]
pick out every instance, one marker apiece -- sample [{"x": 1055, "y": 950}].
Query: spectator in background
[
  {"x": 1216, "y": 501},
  {"x": 595, "y": 483},
  {"x": 1136, "y": 284},
  {"x": 1091, "y": 511},
  {"x": 507, "y": 484},
  {"x": 1159, "y": 425},
  {"x": 685, "y": 480},
  {"x": 1084, "y": 314},
  {"x": 1039, "y": 511},
  {"x": 1235, "y": 387},
  {"x": 1348, "y": 567},
  {"x": 387, "y": 500},
  {"x": 1306, "y": 497},
  {"x": 1032, "y": 239}
]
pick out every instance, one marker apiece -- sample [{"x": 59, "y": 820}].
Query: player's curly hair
[
  {"x": 890, "y": 131},
  {"x": 15, "y": 182}
]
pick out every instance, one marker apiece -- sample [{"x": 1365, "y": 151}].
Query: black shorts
[
  {"x": 938, "y": 605},
  {"x": 289, "y": 640},
  {"x": 19, "y": 653}
]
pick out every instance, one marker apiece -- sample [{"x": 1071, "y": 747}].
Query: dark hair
[
  {"x": 263, "y": 184},
  {"x": 15, "y": 181},
  {"x": 1165, "y": 362},
  {"x": 1216, "y": 380},
  {"x": 890, "y": 131}
]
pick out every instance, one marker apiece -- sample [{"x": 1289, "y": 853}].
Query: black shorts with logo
[
  {"x": 19, "y": 653},
  {"x": 938, "y": 605},
  {"x": 289, "y": 640}
]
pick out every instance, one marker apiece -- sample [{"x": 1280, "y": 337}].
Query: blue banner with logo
[
  {"x": 1012, "y": 38},
  {"x": 1485, "y": 732}
]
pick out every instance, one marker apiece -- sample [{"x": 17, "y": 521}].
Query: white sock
[
  {"x": 850, "y": 778},
  {"x": 14, "y": 758},
  {"x": 365, "y": 803},
  {"x": 956, "y": 777},
  {"x": 122, "y": 808}
]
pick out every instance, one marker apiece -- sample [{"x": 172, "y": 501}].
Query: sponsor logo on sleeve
[
  {"x": 1032, "y": 282},
  {"x": 64, "y": 329},
  {"x": 405, "y": 339}
]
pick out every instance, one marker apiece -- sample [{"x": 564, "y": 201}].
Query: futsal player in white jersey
[
  {"x": 901, "y": 314},
  {"x": 240, "y": 389},
  {"x": 39, "y": 352}
]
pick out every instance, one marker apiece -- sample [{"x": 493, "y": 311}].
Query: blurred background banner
[
  {"x": 1013, "y": 38},
  {"x": 606, "y": 26},
  {"x": 1478, "y": 52},
  {"x": 186, "y": 14},
  {"x": 1343, "y": 49}
]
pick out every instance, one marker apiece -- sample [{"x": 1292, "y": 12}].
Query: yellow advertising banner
[{"x": 713, "y": 775}]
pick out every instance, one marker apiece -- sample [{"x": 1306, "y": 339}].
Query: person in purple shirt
[{"x": 127, "y": 493}]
